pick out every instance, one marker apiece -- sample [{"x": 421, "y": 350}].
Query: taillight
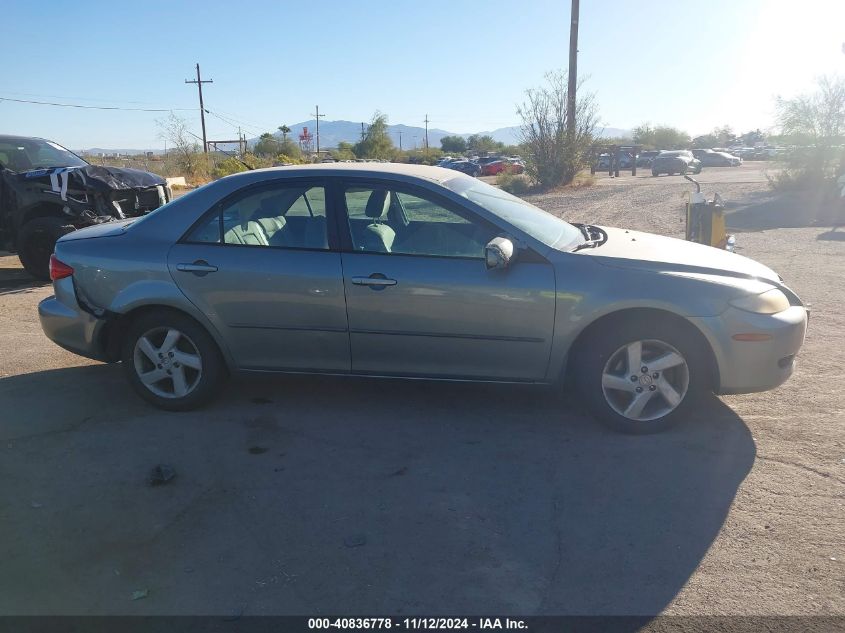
[{"x": 58, "y": 269}]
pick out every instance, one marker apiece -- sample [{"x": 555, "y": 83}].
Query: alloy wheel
[
  {"x": 645, "y": 380},
  {"x": 167, "y": 362}
]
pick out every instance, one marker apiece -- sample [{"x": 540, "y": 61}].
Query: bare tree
[
  {"x": 554, "y": 158},
  {"x": 175, "y": 130}
]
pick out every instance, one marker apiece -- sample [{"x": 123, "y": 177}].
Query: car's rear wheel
[
  {"x": 36, "y": 242},
  {"x": 655, "y": 173},
  {"x": 641, "y": 377},
  {"x": 171, "y": 361}
]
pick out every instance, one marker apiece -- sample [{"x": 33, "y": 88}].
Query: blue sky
[{"x": 465, "y": 63}]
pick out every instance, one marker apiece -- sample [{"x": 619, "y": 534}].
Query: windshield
[
  {"x": 33, "y": 153},
  {"x": 542, "y": 226}
]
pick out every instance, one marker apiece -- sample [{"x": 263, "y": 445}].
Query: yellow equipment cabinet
[{"x": 705, "y": 220}]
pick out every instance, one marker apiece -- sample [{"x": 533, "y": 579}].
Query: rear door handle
[
  {"x": 374, "y": 282},
  {"x": 199, "y": 267}
]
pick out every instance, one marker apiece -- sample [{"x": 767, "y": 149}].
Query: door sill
[{"x": 361, "y": 374}]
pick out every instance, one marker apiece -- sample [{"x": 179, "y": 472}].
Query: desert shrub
[
  {"x": 517, "y": 184},
  {"x": 227, "y": 167},
  {"x": 286, "y": 158},
  {"x": 815, "y": 125},
  {"x": 555, "y": 155}
]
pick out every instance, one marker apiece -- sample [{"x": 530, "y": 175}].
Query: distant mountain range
[{"x": 334, "y": 132}]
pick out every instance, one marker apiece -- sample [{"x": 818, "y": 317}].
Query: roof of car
[
  {"x": 434, "y": 174},
  {"x": 6, "y": 138}
]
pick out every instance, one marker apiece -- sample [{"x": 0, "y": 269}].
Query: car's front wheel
[
  {"x": 641, "y": 377},
  {"x": 171, "y": 361},
  {"x": 36, "y": 242}
]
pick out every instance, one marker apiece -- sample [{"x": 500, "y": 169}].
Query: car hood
[
  {"x": 646, "y": 251},
  {"x": 97, "y": 178}
]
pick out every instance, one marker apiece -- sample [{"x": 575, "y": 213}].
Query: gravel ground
[
  {"x": 784, "y": 538},
  {"x": 316, "y": 495}
]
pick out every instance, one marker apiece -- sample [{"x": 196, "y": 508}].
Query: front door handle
[
  {"x": 199, "y": 267},
  {"x": 376, "y": 280}
]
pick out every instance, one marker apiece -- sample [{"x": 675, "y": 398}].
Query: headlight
[{"x": 769, "y": 302}]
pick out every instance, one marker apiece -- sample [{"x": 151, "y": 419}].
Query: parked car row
[
  {"x": 484, "y": 166},
  {"x": 713, "y": 158},
  {"x": 671, "y": 161},
  {"x": 680, "y": 161}
]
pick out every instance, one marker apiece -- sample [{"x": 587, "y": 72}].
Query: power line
[
  {"x": 234, "y": 123},
  {"x": 91, "y": 107}
]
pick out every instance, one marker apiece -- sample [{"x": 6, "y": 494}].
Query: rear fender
[{"x": 139, "y": 295}]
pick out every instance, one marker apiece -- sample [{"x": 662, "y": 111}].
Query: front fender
[{"x": 588, "y": 291}]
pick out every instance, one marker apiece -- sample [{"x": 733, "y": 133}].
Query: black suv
[{"x": 47, "y": 191}]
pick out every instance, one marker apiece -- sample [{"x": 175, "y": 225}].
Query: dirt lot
[{"x": 317, "y": 495}]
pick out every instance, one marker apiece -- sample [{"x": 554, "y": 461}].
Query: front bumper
[
  {"x": 750, "y": 366},
  {"x": 68, "y": 325}
]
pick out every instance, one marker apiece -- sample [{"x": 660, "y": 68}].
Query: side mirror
[{"x": 499, "y": 253}]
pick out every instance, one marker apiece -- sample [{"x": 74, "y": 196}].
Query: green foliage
[
  {"x": 287, "y": 158},
  {"x": 453, "y": 144},
  {"x": 661, "y": 137},
  {"x": 344, "y": 151},
  {"x": 616, "y": 140},
  {"x": 421, "y": 156},
  {"x": 705, "y": 141},
  {"x": 267, "y": 145},
  {"x": 815, "y": 123},
  {"x": 517, "y": 184},
  {"x": 554, "y": 156},
  {"x": 291, "y": 149},
  {"x": 227, "y": 167},
  {"x": 724, "y": 136},
  {"x": 483, "y": 144},
  {"x": 749, "y": 139},
  {"x": 377, "y": 142}
]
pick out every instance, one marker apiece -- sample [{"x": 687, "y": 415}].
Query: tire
[
  {"x": 36, "y": 242},
  {"x": 655, "y": 173},
  {"x": 201, "y": 376},
  {"x": 606, "y": 381}
]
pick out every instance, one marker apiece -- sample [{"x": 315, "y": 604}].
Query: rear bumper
[
  {"x": 68, "y": 325},
  {"x": 750, "y": 366}
]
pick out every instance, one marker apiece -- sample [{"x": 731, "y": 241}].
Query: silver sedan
[{"x": 408, "y": 271}]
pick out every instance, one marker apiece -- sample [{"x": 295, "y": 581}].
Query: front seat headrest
[{"x": 378, "y": 204}]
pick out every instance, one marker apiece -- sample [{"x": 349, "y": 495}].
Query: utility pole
[
  {"x": 571, "y": 103},
  {"x": 199, "y": 81},
  {"x": 400, "y": 140},
  {"x": 426, "y": 132},
  {"x": 363, "y": 133},
  {"x": 317, "y": 117}
]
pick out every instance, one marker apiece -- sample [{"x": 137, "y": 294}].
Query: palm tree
[{"x": 285, "y": 130}]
